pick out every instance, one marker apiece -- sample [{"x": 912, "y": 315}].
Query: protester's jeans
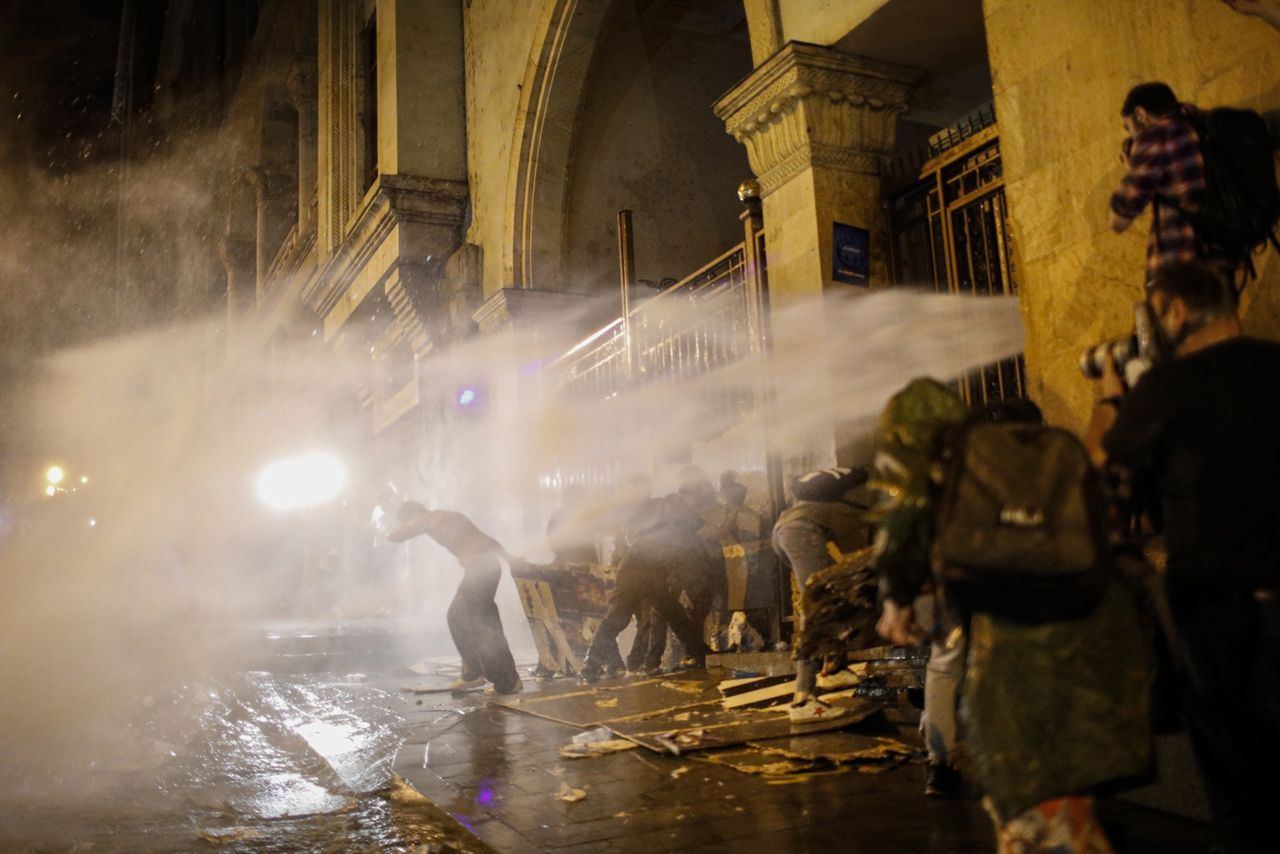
[
  {"x": 806, "y": 551},
  {"x": 476, "y": 626},
  {"x": 942, "y": 677},
  {"x": 1232, "y": 706}
]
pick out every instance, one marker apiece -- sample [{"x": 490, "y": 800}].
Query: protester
[
  {"x": 813, "y": 534},
  {"x": 639, "y": 512},
  {"x": 474, "y": 622},
  {"x": 749, "y": 587},
  {"x": 1269, "y": 12},
  {"x": 1052, "y": 710},
  {"x": 1201, "y": 428},
  {"x": 1166, "y": 170},
  {"x": 664, "y": 552},
  {"x": 694, "y": 506},
  {"x": 569, "y": 530}
]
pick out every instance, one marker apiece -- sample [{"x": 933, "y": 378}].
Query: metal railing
[{"x": 708, "y": 320}]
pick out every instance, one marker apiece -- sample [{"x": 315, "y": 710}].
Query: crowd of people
[{"x": 1074, "y": 593}]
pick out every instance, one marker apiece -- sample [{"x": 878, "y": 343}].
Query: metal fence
[{"x": 949, "y": 232}]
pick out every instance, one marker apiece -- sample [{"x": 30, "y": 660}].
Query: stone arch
[{"x": 550, "y": 97}]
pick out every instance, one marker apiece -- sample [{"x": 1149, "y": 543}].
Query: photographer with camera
[
  {"x": 1201, "y": 425},
  {"x": 1166, "y": 169}
]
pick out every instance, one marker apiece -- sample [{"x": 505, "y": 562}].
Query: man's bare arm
[{"x": 410, "y": 528}]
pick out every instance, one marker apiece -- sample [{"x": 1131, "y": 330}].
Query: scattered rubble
[{"x": 569, "y": 794}]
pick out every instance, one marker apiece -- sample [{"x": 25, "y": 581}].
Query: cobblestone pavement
[{"x": 498, "y": 772}]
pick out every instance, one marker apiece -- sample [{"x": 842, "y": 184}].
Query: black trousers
[
  {"x": 1231, "y": 702},
  {"x": 642, "y": 583},
  {"x": 651, "y": 639},
  {"x": 476, "y": 627}
]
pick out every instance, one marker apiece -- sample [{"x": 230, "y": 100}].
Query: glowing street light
[
  {"x": 54, "y": 475},
  {"x": 301, "y": 481}
]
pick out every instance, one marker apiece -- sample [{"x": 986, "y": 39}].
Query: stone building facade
[{"x": 407, "y": 173}]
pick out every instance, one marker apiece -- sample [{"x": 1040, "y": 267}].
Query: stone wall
[
  {"x": 648, "y": 141},
  {"x": 499, "y": 40},
  {"x": 1061, "y": 71},
  {"x": 578, "y": 109}
]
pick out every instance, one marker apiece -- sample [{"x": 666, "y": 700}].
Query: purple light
[{"x": 467, "y": 397}]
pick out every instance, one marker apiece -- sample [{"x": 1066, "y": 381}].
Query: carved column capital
[
  {"x": 268, "y": 183},
  {"x": 236, "y": 254},
  {"x": 809, "y": 106}
]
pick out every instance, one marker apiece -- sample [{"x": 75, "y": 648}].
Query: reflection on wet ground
[{"x": 265, "y": 763}]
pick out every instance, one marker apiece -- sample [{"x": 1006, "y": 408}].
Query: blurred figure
[
  {"x": 1052, "y": 708},
  {"x": 474, "y": 622},
  {"x": 665, "y": 552},
  {"x": 693, "y": 507},
  {"x": 640, "y": 513},
  {"x": 1201, "y": 428},
  {"x": 570, "y": 533},
  {"x": 821, "y": 526}
]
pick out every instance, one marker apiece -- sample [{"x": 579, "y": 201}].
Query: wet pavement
[
  {"x": 263, "y": 762},
  {"x": 295, "y": 758},
  {"x": 501, "y": 774}
]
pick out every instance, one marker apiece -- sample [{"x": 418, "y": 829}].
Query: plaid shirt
[{"x": 1165, "y": 168}]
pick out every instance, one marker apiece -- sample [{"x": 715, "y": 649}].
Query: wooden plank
[
  {"x": 734, "y": 687},
  {"x": 762, "y": 696}
]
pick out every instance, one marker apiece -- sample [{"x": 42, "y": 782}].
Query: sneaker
[
  {"x": 464, "y": 684},
  {"x": 813, "y": 710},
  {"x": 519, "y": 686},
  {"x": 942, "y": 781}
]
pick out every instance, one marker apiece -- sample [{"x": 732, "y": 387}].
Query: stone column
[
  {"x": 272, "y": 191},
  {"x": 817, "y": 124},
  {"x": 303, "y": 91},
  {"x": 237, "y": 257}
]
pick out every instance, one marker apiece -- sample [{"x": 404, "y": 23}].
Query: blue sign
[{"x": 851, "y": 255}]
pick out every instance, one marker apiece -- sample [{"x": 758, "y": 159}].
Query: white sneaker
[
  {"x": 461, "y": 684},
  {"x": 813, "y": 711}
]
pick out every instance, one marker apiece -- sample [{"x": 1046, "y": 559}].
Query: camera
[
  {"x": 1121, "y": 350},
  {"x": 1132, "y": 353}
]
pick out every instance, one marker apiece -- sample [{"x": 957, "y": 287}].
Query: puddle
[{"x": 272, "y": 763}]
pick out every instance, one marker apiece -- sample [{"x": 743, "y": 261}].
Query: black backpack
[
  {"x": 1020, "y": 528},
  {"x": 1241, "y": 203}
]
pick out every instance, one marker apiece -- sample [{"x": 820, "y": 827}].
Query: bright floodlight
[
  {"x": 301, "y": 481},
  {"x": 54, "y": 475}
]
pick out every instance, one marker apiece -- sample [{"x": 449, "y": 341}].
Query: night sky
[{"x": 57, "y": 62}]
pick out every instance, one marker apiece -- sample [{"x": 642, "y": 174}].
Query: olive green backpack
[{"x": 1020, "y": 526}]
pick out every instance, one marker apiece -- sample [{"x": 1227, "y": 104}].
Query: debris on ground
[
  {"x": 679, "y": 772},
  {"x": 596, "y": 748},
  {"x": 683, "y": 687},
  {"x": 569, "y": 794},
  {"x": 815, "y": 753},
  {"x": 869, "y": 753},
  {"x": 600, "y": 733},
  {"x": 609, "y": 703}
]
